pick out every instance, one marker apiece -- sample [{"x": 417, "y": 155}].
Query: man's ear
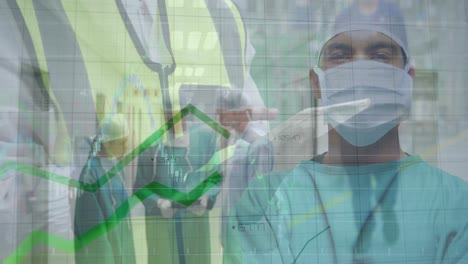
[
  {"x": 412, "y": 72},
  {"x": 315, "y": 84}
]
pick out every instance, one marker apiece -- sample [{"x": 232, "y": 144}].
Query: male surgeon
[
  {"x": 115, "y": 245},
  {"x": 365, "y": 200}
]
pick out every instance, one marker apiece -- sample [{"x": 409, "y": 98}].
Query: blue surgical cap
[{"x": 387, "y": 19}]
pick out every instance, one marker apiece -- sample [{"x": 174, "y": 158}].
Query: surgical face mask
[{"x": 388, "y": 88}]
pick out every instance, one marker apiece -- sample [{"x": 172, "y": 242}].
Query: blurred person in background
[{"x": 94, "y": 208}]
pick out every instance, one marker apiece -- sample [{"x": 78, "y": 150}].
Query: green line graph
[
  {"x": 42, "y": 237},
  {"x": 93, "y": 187},
  {"x": 70, "y": 246}
]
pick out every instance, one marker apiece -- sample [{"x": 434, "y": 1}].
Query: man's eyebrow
[
  {"x": 383, "y": 45},
  {"x": 339, "y": 46}
]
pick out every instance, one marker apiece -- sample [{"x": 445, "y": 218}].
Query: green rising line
[
  {"x": 93, "y": 187},
  {"x": 71, "y": 246}
]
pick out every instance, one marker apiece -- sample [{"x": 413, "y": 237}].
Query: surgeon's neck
[{"x": 340, "y": 152}]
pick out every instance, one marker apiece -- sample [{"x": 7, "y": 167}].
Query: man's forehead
[{"x": 358, "y": 38}]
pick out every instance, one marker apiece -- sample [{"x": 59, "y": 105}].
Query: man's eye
[
  {"x": 338, "y": 57},
  {"x": 382, "y": 56}
]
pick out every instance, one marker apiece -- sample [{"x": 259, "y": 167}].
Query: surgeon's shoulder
[
  {"x": 421, "y": 170},
  {"x": 454, "y": 189},
  {"x": 423, "y": 176}
]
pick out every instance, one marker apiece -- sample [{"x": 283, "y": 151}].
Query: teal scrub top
[
  {"x": 114, "y": 246},
  {"x": 404, "y": 211}
]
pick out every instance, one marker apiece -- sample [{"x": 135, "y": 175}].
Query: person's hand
[
  {"x": 166, "y": 208},
  {"x": 238, "y": 119},
  {"x": 200, "y": 206}
]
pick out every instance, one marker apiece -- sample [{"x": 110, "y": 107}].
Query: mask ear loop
[
  {"x": 408, "y": 66},
  {"x": 407, "y": 69},
  {"x": 318, "y": 70},
  {"x": 321, "y": 79},
  {"x": 320, "y": 73}
]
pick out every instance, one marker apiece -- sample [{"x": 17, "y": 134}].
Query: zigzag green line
[
  {"x": 93, "y": 187},
  {"x": 71, "y": 246}
]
